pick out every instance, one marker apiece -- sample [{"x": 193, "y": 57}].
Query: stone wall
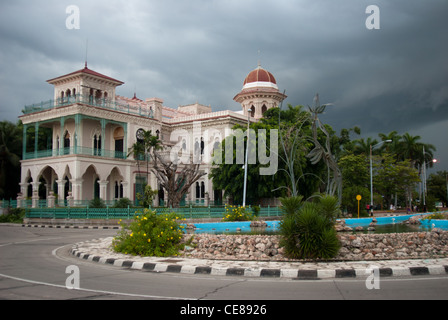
[{"x": 354, "y": 246}]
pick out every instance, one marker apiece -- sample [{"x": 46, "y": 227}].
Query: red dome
[{"x": 259, "y": 75}]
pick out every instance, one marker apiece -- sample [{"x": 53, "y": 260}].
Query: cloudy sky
[{"x": 392, "y": 78}]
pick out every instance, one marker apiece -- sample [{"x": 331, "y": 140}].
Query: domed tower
[{"x": 260, "y": 93}]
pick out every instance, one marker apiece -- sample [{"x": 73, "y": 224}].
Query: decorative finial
[{"x": 87, "y": 48}]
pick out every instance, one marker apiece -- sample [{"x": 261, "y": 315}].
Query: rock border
[{"x": 99, "y": 252}]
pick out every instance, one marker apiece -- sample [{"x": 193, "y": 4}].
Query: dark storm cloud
[{"x": 394, "y": 78}]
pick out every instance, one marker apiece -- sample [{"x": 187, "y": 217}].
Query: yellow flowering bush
[
  {"x": 237, "y": 213},
  {"x": 150, "y": 234}
]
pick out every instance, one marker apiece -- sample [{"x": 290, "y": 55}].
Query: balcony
[
  {"x": 136, "y": 108},
  {"x": 75, "y": 151}
]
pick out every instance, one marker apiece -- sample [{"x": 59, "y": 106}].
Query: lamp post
[
  {"x": 371, "y": 173},
  {"x": 245, "y": 161},
  {"x": 424, "y": 178}
]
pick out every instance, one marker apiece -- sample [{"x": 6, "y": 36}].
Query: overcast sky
[{"x": 392, "y": 78}]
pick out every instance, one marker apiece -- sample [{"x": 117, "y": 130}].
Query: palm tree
[
  {"x": 151, "y": 143},
  {"x": 394, "y": 146},
  {"x": 143, "y": 148},
  {"x": 138, "y": 151},
  {"x": 412, "y": 150},
  {"x": 363, "y": 146}
]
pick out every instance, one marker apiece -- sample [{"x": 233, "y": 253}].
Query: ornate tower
[{"x": 260, "y": 93}]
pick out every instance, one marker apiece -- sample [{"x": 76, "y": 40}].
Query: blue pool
[
  {"x": 231, "y": 227},
  {"x": 364, "y": 222},
  {"x": 244, "y": 226}
]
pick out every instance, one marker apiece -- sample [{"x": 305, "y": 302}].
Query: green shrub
[
  {"x": 256, "y": 210},
  {"x": 291, "y": 205},
  {"x": 123, "y": 203},
  {"x": 97, "y": 203},
  {"x": 309, "y": 232},
  {"x": 13, "y": 215},
  {"x": 237, "y": 213},
  {"x": 150, "y": 234}
]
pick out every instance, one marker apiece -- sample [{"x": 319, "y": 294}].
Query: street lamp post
[
  {"x": 245, "y": 161},
  {"x": 424, "y": 178},
  {"x": 371, "y": 173}
]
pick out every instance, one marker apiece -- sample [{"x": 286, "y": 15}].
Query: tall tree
[
  {"x": 415, "y": 151},
  {"x": 437, "y": 186},
  {"x": 10, "y": 154},
  {"x": 175, "y": 177}
]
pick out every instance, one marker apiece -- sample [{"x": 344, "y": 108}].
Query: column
[
  {"x": 103, "y": 189},
  {"x": 51, "y": 200},
  {"x": 24, "y": 188},
  {"x": 77, "y": 189},
  {"x": 36, "y": 138},
  {"x": 126, "y": 191},
  {"x": 77, "y": 135},
  {"x": 35, "y": 197},
  {"x": 125, "y": 142},
  {"x": 25, "y": 127},
  {"x": 103, "y": 137},
  {"x": 21, "y": 197},
  {"x": 61, "y": 192}
]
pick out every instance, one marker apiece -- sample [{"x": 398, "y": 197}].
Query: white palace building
[{"x": 93, "y": 129}]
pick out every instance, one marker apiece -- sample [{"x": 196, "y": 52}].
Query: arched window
[
  {"x": 196, "y": 147},
  {"x": 202, "y": 190},
  {"x": 263, "y": 109},
  {"x": 198, "y": 191},
  {"x": 118, "y": 190},
  {"x": 98, "y": 95},
  {"x": 252, "y": 112}
]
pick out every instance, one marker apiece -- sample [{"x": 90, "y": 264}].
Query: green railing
[
  {"x": 89, "y": 100},
  {"x": 128, "y": 213},
  {"x": 75, "y": 151}
]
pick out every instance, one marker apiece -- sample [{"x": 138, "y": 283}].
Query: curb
[
  {"x": 68, "y": 226},
  {"x": 295, "y": 274}
]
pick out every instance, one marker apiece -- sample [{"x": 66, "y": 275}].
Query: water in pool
[{"x": 384, "y": 225}]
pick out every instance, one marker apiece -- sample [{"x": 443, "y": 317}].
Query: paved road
[{"x": 33, "y": 263}]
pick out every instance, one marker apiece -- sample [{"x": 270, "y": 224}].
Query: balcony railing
[
  {"x": 136, "y": 109},
  {"x": 74, "y": 151}
]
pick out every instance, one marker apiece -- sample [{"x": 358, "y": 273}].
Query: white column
[
  {"x": 103, "y": 189},
  {"x": 77, "y": 189},
  {"x": 35, "y": 197},
  {"x": 126, "y": 191},
  {"x": 61, "y": 193}
]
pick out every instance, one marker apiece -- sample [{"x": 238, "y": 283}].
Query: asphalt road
[{"x": 34, "y": 261}]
